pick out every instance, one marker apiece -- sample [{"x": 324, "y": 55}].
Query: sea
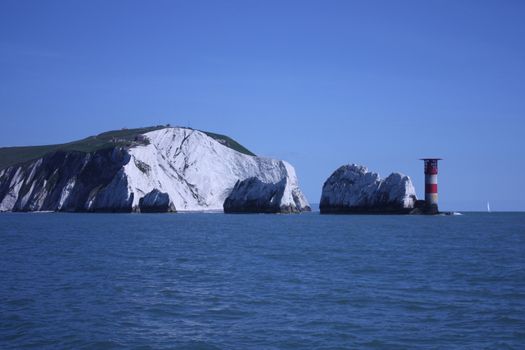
[{"x": 218, "y": 281}]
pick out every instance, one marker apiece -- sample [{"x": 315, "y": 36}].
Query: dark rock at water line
[{"x": 156, "y": 202}]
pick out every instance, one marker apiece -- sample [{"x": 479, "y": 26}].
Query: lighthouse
[{"x": 431, "y": 187}]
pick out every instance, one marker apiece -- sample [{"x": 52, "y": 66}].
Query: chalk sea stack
[
  {"x": 254, "y": 196},
  {"x": 157, "y": 169},
  {"x": 352, "y": 189}
]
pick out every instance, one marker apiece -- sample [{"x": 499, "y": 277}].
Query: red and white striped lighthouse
[{"x": 431, "y": 184}]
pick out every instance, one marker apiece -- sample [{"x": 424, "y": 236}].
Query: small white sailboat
[{"x": 488, "y": 207}]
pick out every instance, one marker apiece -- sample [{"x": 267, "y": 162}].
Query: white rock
[{"x": 352, "y": 188}]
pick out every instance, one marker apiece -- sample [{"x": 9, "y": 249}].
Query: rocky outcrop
[
  {"x": 254, "y": 196},
  {"x": 156, "y": 202},
  {"x": 177, "y": 168},
  {"x": 354, "y": 189}
]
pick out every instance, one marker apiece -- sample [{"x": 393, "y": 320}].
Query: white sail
[{"x": 488, "y": 207}]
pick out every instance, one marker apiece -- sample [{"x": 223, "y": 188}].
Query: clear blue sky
[{"x": 317, "y": 83}]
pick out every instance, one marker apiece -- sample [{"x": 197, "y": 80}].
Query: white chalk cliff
[
  {"x": 354, "y": 189},
  {"x": 181, "y": 169}
]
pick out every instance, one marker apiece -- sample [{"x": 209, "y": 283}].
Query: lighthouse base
[{"x": 422, "y": 208}]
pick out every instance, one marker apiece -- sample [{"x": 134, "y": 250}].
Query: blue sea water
[{"x": 215, "y": 281}]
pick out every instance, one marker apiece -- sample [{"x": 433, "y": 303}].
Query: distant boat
[{"x": 488, "y": 207}]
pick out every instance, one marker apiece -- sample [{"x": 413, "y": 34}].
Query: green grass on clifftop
[
  {"x": 117, "y": 138},
  {"x": 229, "y": 142}
]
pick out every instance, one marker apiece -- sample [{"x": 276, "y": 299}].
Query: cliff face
[
  {"x": 67, "y": 181},
  {"x": 353, "y": 189},
  {"x": 175, "y": 169}
]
